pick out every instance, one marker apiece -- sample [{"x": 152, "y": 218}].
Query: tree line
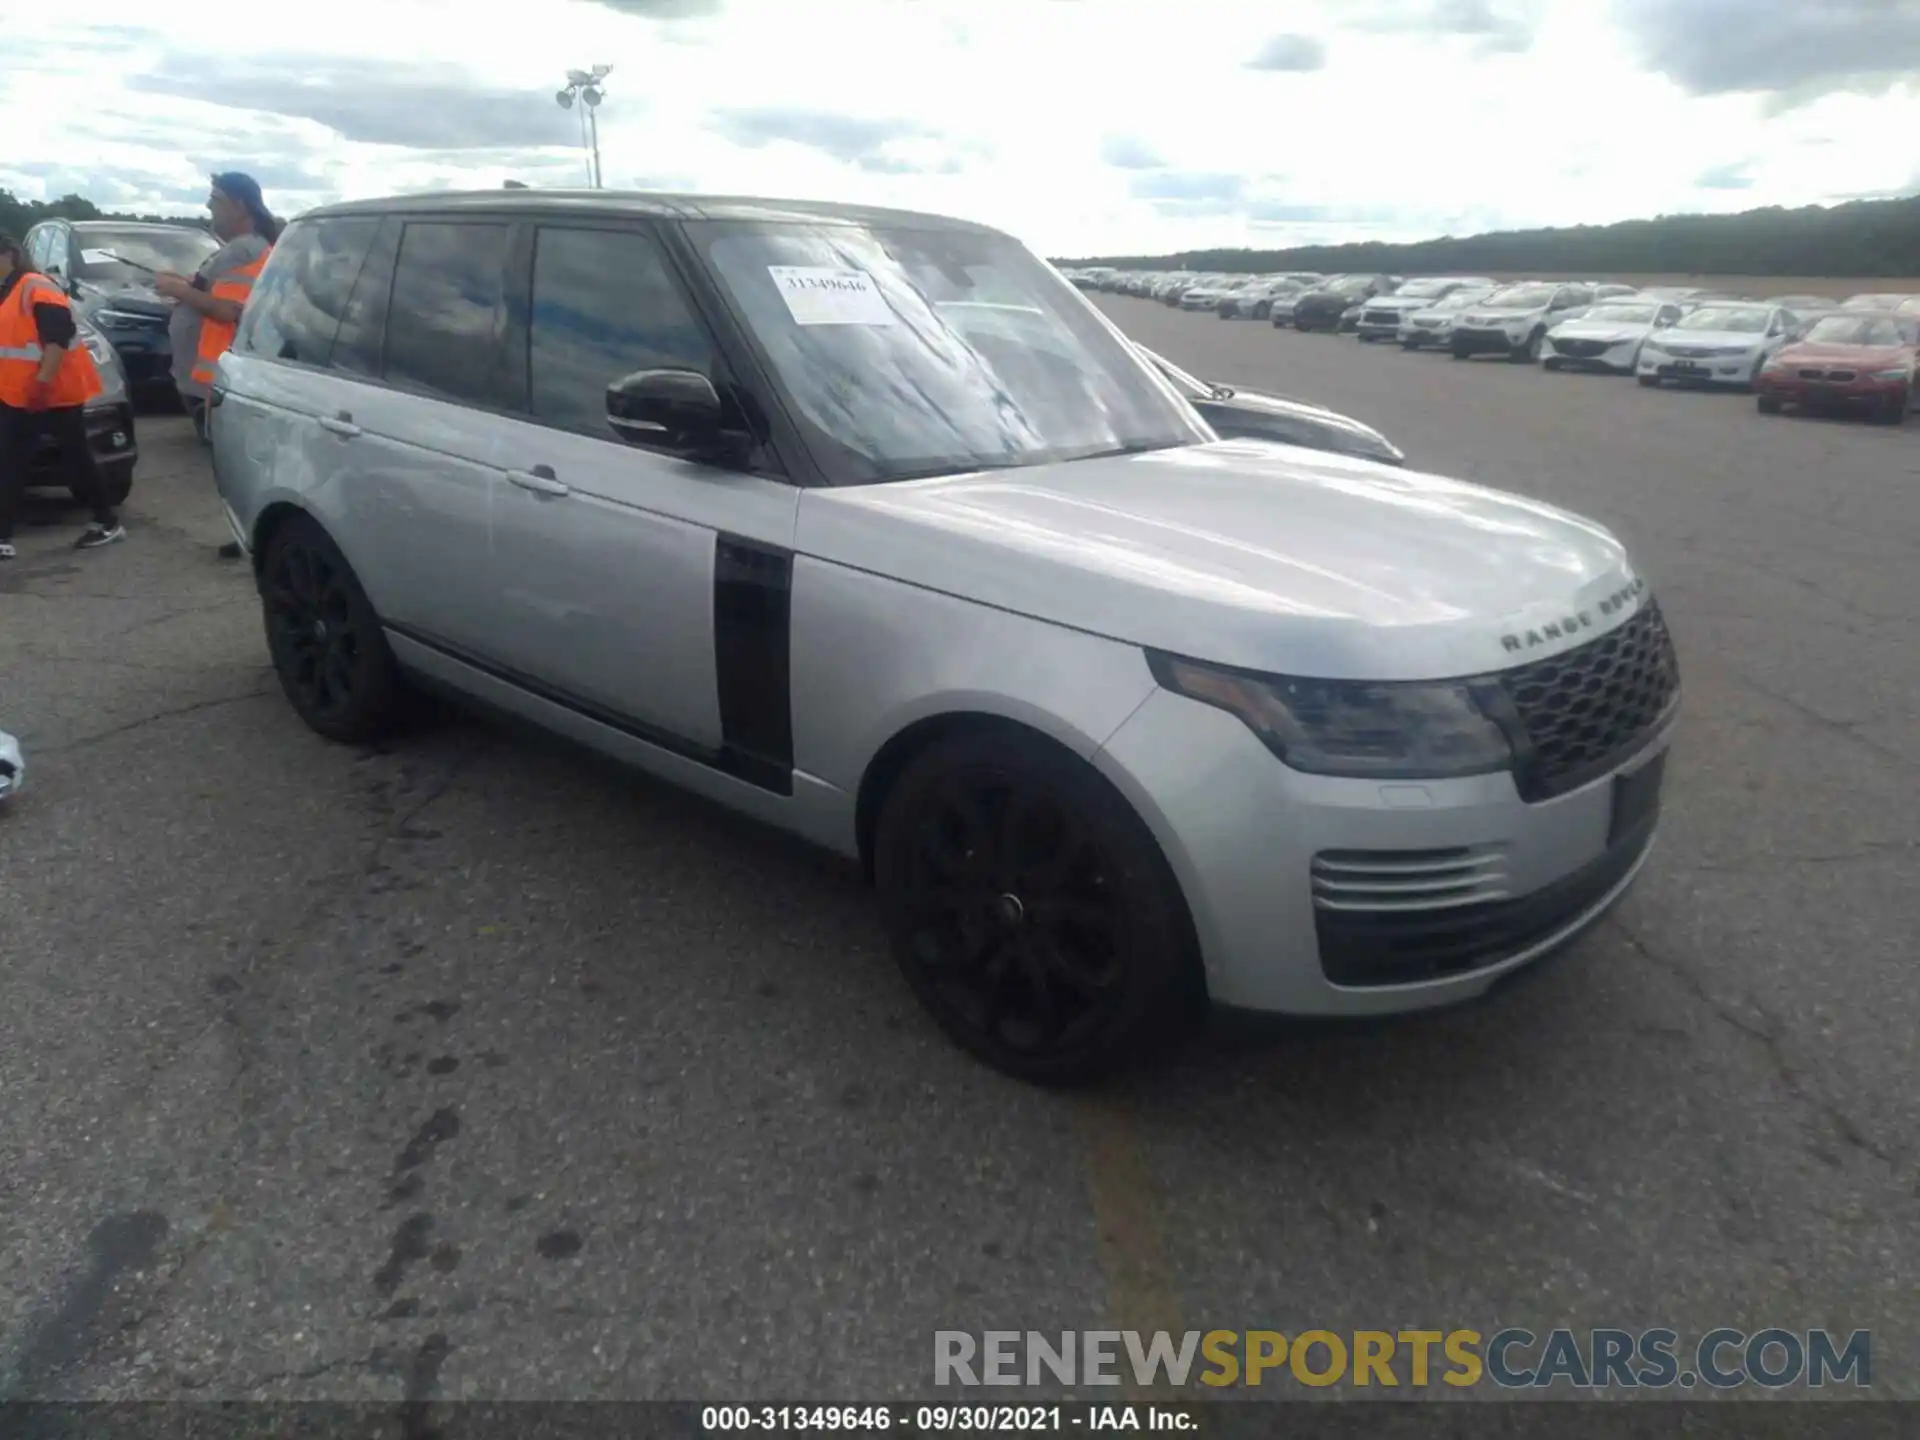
[
  {"x": 18, "y": 216},
  {"x": 1860, "y": 237}
]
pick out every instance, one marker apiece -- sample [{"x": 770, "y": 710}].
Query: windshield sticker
[{"x": 818, "y": 295}]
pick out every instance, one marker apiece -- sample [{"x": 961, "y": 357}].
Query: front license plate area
[
  {"x": 1636, "y": 799},
  {"x": 1688, "y": 367}
]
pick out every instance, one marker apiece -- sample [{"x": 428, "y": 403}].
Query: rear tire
[
  {"x": 326, "y": 642},
  {"x": 1029, "y": 907}
]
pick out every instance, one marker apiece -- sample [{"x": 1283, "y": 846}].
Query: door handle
[
  {"x": 341, "y": 425},
  {"x": 540, "y": 480}
]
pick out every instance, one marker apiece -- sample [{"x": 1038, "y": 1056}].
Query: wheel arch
[{"x": 899, "y": 751}]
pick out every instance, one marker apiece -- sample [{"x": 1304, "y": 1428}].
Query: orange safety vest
[
  {"x": 217, "y": 335},
  {"x": 74, "y": 383}
]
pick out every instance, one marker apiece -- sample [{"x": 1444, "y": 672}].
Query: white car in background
[
  {"x": 1380, "y": 317},
  {"x": 1433, "y": 325},
  {"x": 1717, "y": 345},
  {"x": 1608, "y": 336},
  {"x": 1513, "y": 322}
]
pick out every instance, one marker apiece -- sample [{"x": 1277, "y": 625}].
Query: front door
[{"x": 616, "y": 564}]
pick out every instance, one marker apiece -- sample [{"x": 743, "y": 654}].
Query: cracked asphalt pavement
[{"x": 470, "y": 1067}]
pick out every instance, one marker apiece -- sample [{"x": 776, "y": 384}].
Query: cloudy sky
[{"x": 1084, "y": 126}]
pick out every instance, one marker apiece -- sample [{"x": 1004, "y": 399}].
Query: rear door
[
  {"x": 423, "y": 366},
  {"x": 273, "y": 388},
  {"x": 620, "y": 566}
]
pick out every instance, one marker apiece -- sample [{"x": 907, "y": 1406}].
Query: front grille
[
  {"x": 1381, "y": 317},
  {"x": 1833, "y": 375},
  {"x": 1585, "y": 710},
  {"x": 1409, "y": 944},
  {"x": 1427, "y": 324},
  {"x": 1689, "y": 352},
  {"x": 1581, "y": 349}
]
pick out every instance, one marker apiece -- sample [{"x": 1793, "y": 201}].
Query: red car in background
[{"x": 1847, "y": 360}]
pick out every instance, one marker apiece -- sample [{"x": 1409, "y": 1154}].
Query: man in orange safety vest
[{"x": 208, "y": 305}]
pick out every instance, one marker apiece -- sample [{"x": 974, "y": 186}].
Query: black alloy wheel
[
  {"x": 326, "y": 642},
  {"x": 1029, "y": 907}
]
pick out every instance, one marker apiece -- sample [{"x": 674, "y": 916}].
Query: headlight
[
  {"x": 1898, "y": 374},
  {"x": 1376, "y": 730},
  {"x": 98, "y": 347},
  {"x": 120, "y": 317},
  {"x": 1652, "y": 347}
]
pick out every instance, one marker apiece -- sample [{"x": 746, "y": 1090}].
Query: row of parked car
[{"x": 1858, "y": 354}]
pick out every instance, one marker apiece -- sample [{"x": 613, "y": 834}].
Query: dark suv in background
[
  {"x": 1321, "y": 308},
  {"x": 118, "y": 297}
]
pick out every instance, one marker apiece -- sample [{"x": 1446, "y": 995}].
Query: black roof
[{"x": 643, "y": 204}]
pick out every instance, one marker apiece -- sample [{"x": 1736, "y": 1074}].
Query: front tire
[
  {"x": 1458, "y": 352},
  {"x": 1766, "y": 404},
  {"x": 326, "y": 641},
  {"x": 1649, "y": 381},
  {"x": 1529, "y": 353},
  {"x": 1552, "y": 362},
  {"x": 1893, "y": 411},
  {"x": 1029, "y": 907}
]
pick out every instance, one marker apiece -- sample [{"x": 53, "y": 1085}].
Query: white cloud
[{"x": 1082, "y": 127}]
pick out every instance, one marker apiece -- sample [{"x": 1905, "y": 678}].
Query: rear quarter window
[{"x": 294, "y": 312}]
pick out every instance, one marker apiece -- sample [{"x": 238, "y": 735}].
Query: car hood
[
  {"x": 133, "y": 299},
  {"x": 1608, "y": 330},
  {"x": 1246, "y": 553},
  {"x": 1401, "y": 302},
  {"x": 1710, "y": 339},
  {"x": 1328, "y": 299},
  {"x": 1499, "y": 315},
  {"x": 1885, "y": 357}
]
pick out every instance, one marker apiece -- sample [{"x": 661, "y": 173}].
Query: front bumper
[
  {"x": 1618, "y": 357},
  {"x": 1318, "y": 896},
  {"x": 1413, "y": 333},
  {"x": 1475, "y": 341},
  {"x": 1862, "y": 392},
  {"x": 1379, "y": 325},
  {"x": 1737, "y": 370},
  {"x": 110, "y": 435}
]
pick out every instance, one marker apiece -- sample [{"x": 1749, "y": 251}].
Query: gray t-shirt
[{"x": 183, "y": 329}]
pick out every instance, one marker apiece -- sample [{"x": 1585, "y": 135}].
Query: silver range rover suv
[{"x": 869, "y": 525}]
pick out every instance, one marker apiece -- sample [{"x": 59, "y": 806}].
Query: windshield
[
  {"x": 180, "y": 251},
  {"x": 1423, "y": 289},
  {"x": 1876, "y": 302},
  {"x": 1521, "y": 297},
  {"x": 1860, "y": 330},
  {"x": 912, "y": 352},
  {"x": 1460, "y": 299},
  {"x": 1346, "y": 285},
  {"x": 1623, "y": 314},
  {"x": 1741, "y": 320}
]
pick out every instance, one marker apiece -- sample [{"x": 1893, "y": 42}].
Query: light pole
[{"x": 585, "y": 84}]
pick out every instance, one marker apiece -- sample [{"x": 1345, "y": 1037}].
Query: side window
[
  {"x": 447, "y": 309},
  {"x": 297, "y": 301},
  {"x": 605, "y": 304},
  {"x": 356, "y": 348}
]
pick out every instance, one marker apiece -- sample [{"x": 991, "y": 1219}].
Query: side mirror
[{"x": 678, "y": 411}]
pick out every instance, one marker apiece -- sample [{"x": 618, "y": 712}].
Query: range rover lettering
[{"x": 868, "y": 524}]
